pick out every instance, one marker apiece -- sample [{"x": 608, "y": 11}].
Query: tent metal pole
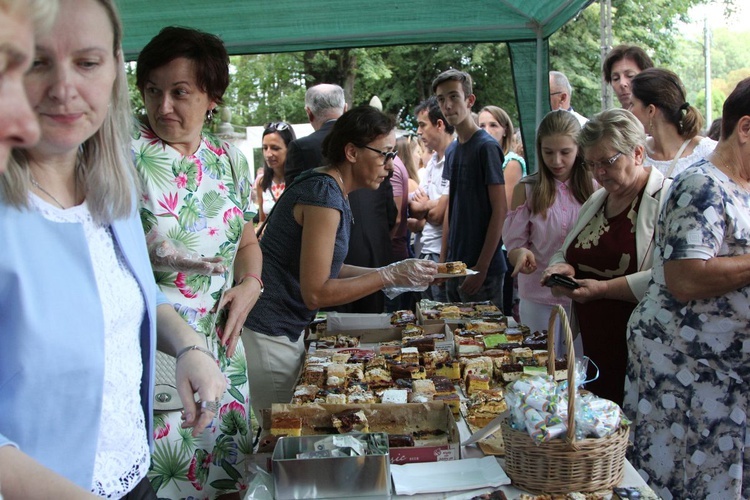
[{"x": 540, "y": 74}]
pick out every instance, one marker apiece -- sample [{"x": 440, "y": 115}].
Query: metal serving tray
[{"x": 337, "y": 477}]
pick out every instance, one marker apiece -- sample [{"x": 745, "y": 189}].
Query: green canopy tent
[{"x": 254, "y": 27}]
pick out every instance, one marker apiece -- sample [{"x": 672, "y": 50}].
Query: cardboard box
[
  {"x": 330, "y": 477},
  {"x": 390, "y": 418}
]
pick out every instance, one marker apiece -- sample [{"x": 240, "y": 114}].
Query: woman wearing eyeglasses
[
  {"x": 205, "y": 256},
  {"x": 609, "y": 250},
  {"x": 276, "y": 139},
  {"x": 305, "y": 243}
]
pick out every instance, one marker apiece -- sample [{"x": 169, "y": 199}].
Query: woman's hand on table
[{"x": 239, "y": 301}]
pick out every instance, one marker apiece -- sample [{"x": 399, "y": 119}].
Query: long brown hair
[
  {"x": 563, "y": 123},
  {"x": 664, "y": 89}
]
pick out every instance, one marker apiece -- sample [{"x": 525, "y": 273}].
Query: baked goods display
[
  {"x": 404, "y": 317},
  {"x": 431, "y": 310},
  {"x": 384, "y": 381},
  {"x": 418, "y": 368},
  {"x": 411, "y": 425},
  {"x": 396, "y": 374},
  {"x": 337, "y": 341}
]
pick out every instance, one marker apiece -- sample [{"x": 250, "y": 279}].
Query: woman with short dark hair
[
  {"x": 622, "y": 63},
  {"x": 195, "y": 211},
  {"x": 304, "y": 245}
]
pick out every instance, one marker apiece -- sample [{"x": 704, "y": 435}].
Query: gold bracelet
[{"x": 195, "y": 348}]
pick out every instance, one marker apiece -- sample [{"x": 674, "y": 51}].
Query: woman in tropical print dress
[
  {"x": 689, "y": 362},
  {"x": 194, "y": 210}
]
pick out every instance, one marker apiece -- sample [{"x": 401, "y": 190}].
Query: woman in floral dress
[
  {"x": 688, "y": 339},
  {"x": 194, "y": 212}
]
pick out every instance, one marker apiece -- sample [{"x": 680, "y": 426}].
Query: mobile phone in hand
[{"x": 561, "y": 280}]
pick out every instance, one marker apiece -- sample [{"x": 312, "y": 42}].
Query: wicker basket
[{"x": 564, "y": 465}]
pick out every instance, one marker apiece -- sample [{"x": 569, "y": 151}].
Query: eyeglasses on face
[
  {"x": 596, "y": 165},
  {"x": 276, "y": 126},
  {"x": 555, "y": 93},
  {"x": 387, "y": 155}
]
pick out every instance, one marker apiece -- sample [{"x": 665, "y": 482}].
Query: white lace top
[
  {"x": 122, "y": 456},
  {"x": 704, "y": 148}
]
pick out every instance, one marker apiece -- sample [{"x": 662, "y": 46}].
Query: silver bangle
[{"x": 195, "y": 348}]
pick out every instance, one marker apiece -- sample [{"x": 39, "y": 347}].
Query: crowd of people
[{"x": 123, "y": 237}]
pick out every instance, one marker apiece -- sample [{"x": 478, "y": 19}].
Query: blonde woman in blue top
[{"x": 78, "y": 305}]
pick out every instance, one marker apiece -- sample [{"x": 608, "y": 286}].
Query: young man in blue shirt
[{"x": 477, "y": 205}]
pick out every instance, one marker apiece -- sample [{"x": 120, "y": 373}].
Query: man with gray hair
[
  {"x": 560, "y": 93},
  {"x": 324, "y": 104}
]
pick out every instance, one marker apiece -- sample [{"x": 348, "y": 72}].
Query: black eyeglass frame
[{"x": 388, "y": 155}]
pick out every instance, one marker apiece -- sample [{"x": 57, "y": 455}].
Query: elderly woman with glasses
[
  {"x": 276, "y": 139},
  {"x": 609, "y": 250},
  {"x": 305, "y": 243},
  {"x": 204, "y": 253}
]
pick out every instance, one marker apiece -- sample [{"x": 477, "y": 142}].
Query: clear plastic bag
[
  {"x": 260, "y": 486},
  {"x": 171, "y": 255}
]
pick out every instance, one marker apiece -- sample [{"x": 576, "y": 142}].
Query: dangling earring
[
  {"x": 650, "y": 126},
  {"x": 209, "y": 115}
]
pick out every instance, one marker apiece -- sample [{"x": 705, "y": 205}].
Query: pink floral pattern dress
[{"x": 200, "y": 201}]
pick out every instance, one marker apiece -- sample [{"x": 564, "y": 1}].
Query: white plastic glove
[
  {"x": 413, "y": 275},
  {"x": 170, "y": 255}
]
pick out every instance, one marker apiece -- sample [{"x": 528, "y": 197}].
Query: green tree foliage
[
  {"x": 271, "y": 87},
  {"x": 730, "y": 63},
  {"x": 266, "y": 87},
  {"x": 653, "y": 25}
]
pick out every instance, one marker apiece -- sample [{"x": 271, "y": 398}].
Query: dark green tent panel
[{"x": 264, "y": 26}]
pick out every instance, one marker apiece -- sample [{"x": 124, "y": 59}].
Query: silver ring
[{"x": 212, "y": 406}]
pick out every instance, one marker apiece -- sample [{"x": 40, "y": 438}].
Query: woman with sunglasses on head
[
  {"x": 609, "y": 249},
  {"x": 276, "y": 139},
  {"x": 305, "y": 243},
  {"x": 205, "y": 255},
  {"x": 673, "y": 125}
]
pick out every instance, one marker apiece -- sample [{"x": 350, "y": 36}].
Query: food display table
[{"x": 448, "y": 479}]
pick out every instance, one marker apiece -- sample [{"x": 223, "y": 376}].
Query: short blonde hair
[
  {"x": 107, "y": 172},
  {"x": 618, "y": 126}
]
